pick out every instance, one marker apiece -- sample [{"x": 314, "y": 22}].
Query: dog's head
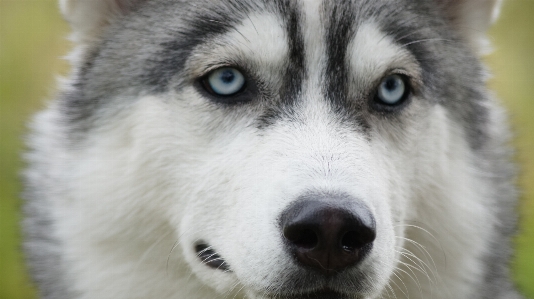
[{"x": 294, "y": 148}]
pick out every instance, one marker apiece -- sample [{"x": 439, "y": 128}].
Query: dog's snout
[{"x": 328, "y": 237}]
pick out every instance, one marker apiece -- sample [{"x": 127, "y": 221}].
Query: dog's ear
[
  {"x": 472, "y": 18},
  {"x": 89, "y": 17}
]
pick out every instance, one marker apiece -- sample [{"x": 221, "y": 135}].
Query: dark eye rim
[
  {"x": 378, "y": 105},
  {"x": 244, "y": 95}
]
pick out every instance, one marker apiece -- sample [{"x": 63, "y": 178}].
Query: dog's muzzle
[{"x": 325, "y": 235}]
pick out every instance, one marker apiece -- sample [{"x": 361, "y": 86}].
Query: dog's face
[{"x": 288, "y": 144}]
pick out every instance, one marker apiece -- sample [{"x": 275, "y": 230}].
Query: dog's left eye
[
  {"x": 225, "y": 81},
  {"x": 393, "y": 90}
]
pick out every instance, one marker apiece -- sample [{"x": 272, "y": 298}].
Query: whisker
[
  {"x": 425, "y": 40},
  {"x": 407, "y": 254},
  {"x": 400, "y": 280},
  {"x": 413, "y": 277},
  {"x": 230, "y": 291},
  {"x": 388, "y": 286},
  {"x": 422, "y": 249},
  {"x": 238, "y": 291}
]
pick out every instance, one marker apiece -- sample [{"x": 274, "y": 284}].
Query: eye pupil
[
  {"x": 227, "y": 77},
  {"x": 391, "y": 84}
]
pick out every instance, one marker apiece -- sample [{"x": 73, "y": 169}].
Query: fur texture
[{"x": 137, "y": 162}]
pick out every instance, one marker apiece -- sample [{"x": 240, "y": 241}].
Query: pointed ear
[
  {"x": 89, "y": 17},
  {"x": 472, "y": 18}
]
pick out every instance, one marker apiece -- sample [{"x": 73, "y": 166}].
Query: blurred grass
[
  {"x": 32, "y": 39},
  {"x": 513, "y": 66}
]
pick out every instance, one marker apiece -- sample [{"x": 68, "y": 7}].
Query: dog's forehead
[
  {"x": 308, "y": 25},
  {"x": 313, "y": 36}
]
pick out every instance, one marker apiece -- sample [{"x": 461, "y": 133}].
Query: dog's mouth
[
  {"x": 322, "y": 294},
  {"x": 209, "y": 257}
]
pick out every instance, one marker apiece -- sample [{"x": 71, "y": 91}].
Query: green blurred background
[{"x": 32, "y": 41}]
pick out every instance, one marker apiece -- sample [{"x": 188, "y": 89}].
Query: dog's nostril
[
  {"x": 302, "y": 238},
  {"x": 358, "y": 238},
  {"x": 351, "y": 241}
]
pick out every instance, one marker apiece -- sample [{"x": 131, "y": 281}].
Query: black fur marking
[
  {"x": 296, "y": 68},
  {"x": 340, "y": 32}
]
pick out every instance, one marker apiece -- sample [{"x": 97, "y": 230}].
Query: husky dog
[{"x": 280, "y": 149}]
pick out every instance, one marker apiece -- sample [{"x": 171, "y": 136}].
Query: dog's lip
[
  {"x": 321, "y": 294},
  {"x": 209, "y": 256}
]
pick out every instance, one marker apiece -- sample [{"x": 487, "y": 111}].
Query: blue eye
[
  {"x": 225, "y": 81},
  {"x": 393, "y": 90}
]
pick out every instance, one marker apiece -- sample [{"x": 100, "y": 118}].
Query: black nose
[{"x": 328, "y": 237}]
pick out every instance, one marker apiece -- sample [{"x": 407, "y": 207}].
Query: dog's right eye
[
  {"x": 393, "y": 90},
  {"x": 392, "y": 94},
  {"x": 224, "y": 82}
]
